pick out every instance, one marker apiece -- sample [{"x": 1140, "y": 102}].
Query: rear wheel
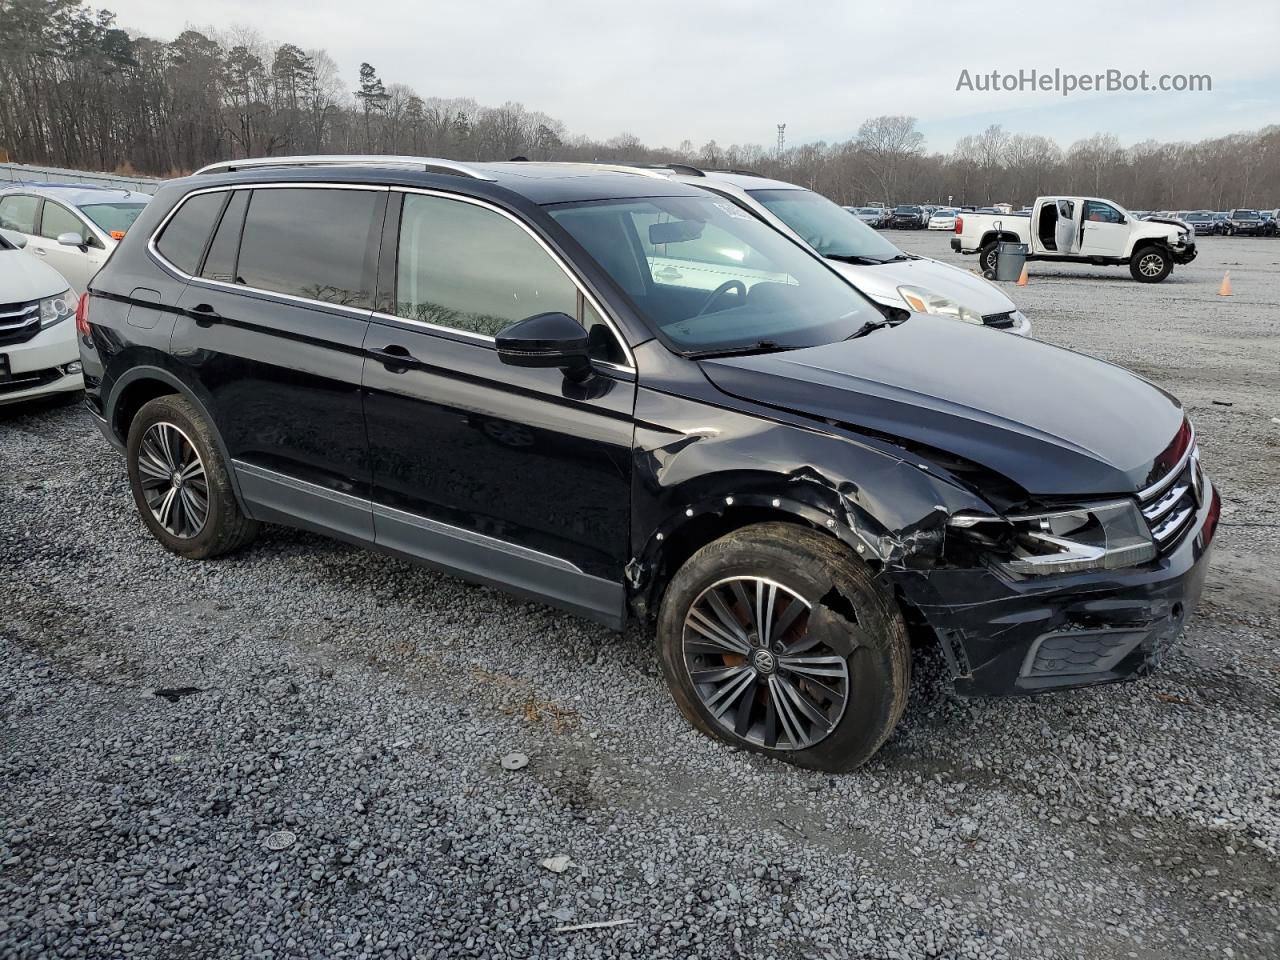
[
  {"x": 180, "y": 482},
  {"x": 987, "y": 257},
  {"x": 1150, "y": 264},
  {"x": 777, "y": 639}
]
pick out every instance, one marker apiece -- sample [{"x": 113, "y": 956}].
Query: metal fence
[{"x": 24, "y": 173}]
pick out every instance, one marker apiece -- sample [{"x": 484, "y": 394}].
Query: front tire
[
  {"x": 180, "y": 482},
  {"x": 1150, "y": 264},
  {"x": 777, "y": 639}
]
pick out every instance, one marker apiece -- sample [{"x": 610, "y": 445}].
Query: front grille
[
  {"x": 1170, "y": 505},
  {"x": 28, "y": 380},
  {"x": 19, "y": 322},
  {"x": 1001, "y": 321}
]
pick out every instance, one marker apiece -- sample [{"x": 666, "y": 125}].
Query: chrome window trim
[
  {"x": 405, "y": 516},
  {"x": 629, "y": 367},
  {"x": 363, "y": 313}
]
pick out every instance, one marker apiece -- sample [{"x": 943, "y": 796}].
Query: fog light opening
[{"x": 72, "y": 367}]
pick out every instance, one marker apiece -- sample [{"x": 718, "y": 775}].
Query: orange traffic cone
[
  {"x": 1225, "y": 289},
  {"x": 1022, "y": 280}
]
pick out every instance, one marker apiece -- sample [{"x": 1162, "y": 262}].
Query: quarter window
[
  {"x": 469, "y": 268},
  {"x": 184, "y": 237},
  {"x": 312, "y": 243},
  {"x": 19, "y": 213}
]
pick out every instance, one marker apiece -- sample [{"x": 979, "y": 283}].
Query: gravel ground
[{"x": 160, "y": 719}]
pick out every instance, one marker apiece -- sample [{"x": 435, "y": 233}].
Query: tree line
[{"x": 78, "y": 91}]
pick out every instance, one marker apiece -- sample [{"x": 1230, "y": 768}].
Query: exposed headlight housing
[
  {"x": 1092, "y": 536},
  {"x": 922, "y": 301},
  {"x": 56, "y": 309}
]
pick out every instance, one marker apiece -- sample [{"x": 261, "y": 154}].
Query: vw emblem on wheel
[{"x": 763, "y": 660}]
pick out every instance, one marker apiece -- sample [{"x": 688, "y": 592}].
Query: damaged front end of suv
[{"x": 1008, "y": 514}]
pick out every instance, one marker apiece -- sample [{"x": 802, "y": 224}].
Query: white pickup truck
[{"x": 1080, "y": 230}]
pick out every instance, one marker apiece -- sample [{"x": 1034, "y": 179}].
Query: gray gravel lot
[{"x": 160, "y": 718}]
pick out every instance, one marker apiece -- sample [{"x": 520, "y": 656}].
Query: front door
[
  {"x": 76, "y": 264},
  {"x": 503, "y": 474},
  {"x": 1104, "y": 231}
]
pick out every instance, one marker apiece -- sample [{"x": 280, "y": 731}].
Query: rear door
[
  {"x": 506, "y": 475},
  {"x": 271, "y": 326},
  {"x": 1104, "y": 230}
]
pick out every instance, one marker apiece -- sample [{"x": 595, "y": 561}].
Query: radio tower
[{"x": 782, "y": 141}]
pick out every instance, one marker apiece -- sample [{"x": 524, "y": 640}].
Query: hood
[
  {"x": 882, "y": 281},
  {"x": 1169, "y": 220},
  {"x": 23, "y": 278},
  {"x": 1056, "y": 423}
]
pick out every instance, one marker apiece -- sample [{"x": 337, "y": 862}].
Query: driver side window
[
  {"x": 468, "y": 268},
  {"x": 1102, "y": 212}
]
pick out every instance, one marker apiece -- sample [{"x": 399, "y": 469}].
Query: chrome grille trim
[
  {"x": 1165, "y": 529},
  {"x": 1172, "y": 475},
  {"x": 1158, "y": 508}
]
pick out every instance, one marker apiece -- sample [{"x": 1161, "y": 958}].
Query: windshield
[
  {"x": 1246, "y": 214},
  {"x": 824, "y": 226},
  {"x": 113, "y": 217},
  {"x": 708, "y": 276},
  {"x": 905, "y": 209},
  {"x": 944, "y": 213}
]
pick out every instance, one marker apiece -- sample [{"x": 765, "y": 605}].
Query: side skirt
[{"x": 279, "y": 498}]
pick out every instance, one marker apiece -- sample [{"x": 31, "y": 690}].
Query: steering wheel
[{"x": 720, "y": 291}]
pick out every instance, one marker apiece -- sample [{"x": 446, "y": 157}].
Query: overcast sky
[{"x": 667, "y": 70}]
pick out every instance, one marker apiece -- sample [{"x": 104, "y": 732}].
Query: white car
[
  {"x": 943, "y": 219},
  {"x": 71, "y": 227},
  {"x": 38, "y": 350},
  {"x": 867, "y": 259}
]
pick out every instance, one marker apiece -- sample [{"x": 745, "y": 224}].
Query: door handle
[
  {"x": 39, "y": 251},
  {"x": 205, "y": 315},
  {"x": 396, "y": 358}
]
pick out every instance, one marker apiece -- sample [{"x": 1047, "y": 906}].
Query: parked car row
[
  {"x": 53, "y": 239},
  {"x": 746, "y": 421},
  {"x": 1226, "y": 223}
]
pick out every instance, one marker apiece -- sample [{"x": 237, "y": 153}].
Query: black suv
[
  {"x": 626, "y": 397},
  {"x": 909, "y": 217}
]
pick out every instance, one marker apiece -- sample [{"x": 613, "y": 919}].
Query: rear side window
[
  {"x": 19, "y": 213},
  {"x": 313, "y": 243},
  {"x": 220, "y": 262},
  {"x": 183, "y": 240}
]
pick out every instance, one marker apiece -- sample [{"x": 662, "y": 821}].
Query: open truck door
[{"x": 1065, "y": 231}]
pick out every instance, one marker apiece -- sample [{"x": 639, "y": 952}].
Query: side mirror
[
  {"x": 547, "y": 340},
  {"x": 71, "y": 240}
]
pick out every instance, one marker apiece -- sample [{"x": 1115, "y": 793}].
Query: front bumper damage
[
  {"x": 1184, "y": 253},
  {"x": 1004, "y": 637}
]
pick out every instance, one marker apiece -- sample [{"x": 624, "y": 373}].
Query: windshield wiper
[
  {"x": 854, "y": 258},
  {"x": 760, "y": 346},
  {"x": 871, "y": 326}
]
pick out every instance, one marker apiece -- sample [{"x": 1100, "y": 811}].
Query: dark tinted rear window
[
  {"x": 183, "y": 240},
  {"x": 221, "y": 260},
  {"x": 313, "y": 243}
]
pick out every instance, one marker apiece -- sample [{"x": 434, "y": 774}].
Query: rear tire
[
  {"x": 180, "y": 482},
  {"x": 839, "y": 662},
  {"x": 987, "y": 258},
  {"x": 1150, "y": 264}
]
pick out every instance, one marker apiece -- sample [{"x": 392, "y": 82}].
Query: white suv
[
  {"x": 867, "y": 259},
  {"x": 38, "y": 350},
  {"x": 71, "y": 227}
]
